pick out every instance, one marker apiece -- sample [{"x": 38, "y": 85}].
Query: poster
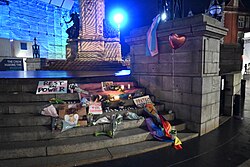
[{"x": 52, "y": 87}]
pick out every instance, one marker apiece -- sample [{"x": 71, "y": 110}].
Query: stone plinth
[
  {"x": 34, "y": 64},
  {"x": 187, "y": 79}
]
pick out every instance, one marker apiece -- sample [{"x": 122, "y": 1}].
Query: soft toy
[{"x": 71, "y": 119}]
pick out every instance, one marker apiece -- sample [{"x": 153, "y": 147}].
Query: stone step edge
[
  {"x": 78, "y": 131},
  {"x": 90, "y": 157},
  {"x": 14, "y": 150}
]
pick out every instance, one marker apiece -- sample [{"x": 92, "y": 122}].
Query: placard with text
[{"x": 52, "y": 87}]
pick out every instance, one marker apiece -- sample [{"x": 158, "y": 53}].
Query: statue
[
  {"x": 73, "y": 31},
  {"x": 174, "y": 8},
  {"x": 36, "y": 50},
  {"x": 178, "y": 9}
]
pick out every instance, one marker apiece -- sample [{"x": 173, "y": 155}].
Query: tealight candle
[
  {"x": 128, "y": 86},
  {"x": 116, "y": 98}
]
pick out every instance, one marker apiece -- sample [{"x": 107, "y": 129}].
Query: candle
[
  {"x": 122, "y": 87},
  {"x": 128, "y": 86},
  {"x": 116, "y": 98}
]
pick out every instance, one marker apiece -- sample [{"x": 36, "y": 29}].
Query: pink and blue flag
[{"x": 151, "y": 43}]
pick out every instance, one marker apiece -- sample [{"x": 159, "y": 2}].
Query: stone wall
[
  {"x": 230, "y": 70},
  {"x": 25, "y": 19},
  {"x": 187, "y": 79},
  {"x": 230, "y": 58},
  {"x": 232, "y": 88}
]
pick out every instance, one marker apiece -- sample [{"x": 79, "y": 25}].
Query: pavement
[{"x": 226, "y": 146}]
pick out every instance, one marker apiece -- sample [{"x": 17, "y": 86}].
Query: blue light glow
[
  {"x": 118, "y": 17},
  {"x": 123, "y": 73},
  {"x": 164, "y": 16}
]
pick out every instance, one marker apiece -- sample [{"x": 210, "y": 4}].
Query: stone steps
[
  {"x": 36, "y": 132},
  {"x": 89, "y": 157},
  {"x": 30, "y": 85},
  {"x": 25, "y": 135},
  {"x": 27, "y": 149},
  {"x": 22, "y": 108},
  {"x": 9, "y": 134},
  {"x": 21, "y": 97},
  {"x": 15, "y": 120},
  {"x": 17, "y": 115}
]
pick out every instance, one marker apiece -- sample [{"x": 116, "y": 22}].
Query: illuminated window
[
  {"x": 23, "y": 46},
  {"x": 241, "y": 21},
  {"x": 247, "y": 22}
]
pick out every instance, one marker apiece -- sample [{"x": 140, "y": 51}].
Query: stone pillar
[
  {"x": 91, "y": 44},
  {"x": 187, "y": 80},
  {"x": 72, "y": 49}
]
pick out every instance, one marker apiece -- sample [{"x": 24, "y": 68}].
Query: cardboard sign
[
  {"x": 142, "y": 101},
  {"x": 52, "y": 87},
  {"x": 95, "y": 108}
]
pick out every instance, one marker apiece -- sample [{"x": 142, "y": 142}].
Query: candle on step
[
  {"x": 116, "y": 98},
  {"x": 128, "y": 86}
]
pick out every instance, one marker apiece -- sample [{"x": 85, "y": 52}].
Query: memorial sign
[{"x": 52, "y": 87}]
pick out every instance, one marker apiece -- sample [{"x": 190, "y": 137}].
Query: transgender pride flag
[{"x": 151, "y": 43}]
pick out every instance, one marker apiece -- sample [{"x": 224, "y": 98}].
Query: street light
[
  {"x": 118, "y": 19},
  {"x": 215, "y": 9},
  {"x": 164, "y": 15}
]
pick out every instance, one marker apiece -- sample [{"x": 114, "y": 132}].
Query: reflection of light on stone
[{"x": 123, "y": 73}]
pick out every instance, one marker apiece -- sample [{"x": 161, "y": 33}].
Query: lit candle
[
  {"x": 128, "y": 86},
  {"x": 116, "y": 98},
  {"x": 122, "y": 87}
]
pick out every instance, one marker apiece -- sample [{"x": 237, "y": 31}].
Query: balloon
[{"x": 176, "y": 41}]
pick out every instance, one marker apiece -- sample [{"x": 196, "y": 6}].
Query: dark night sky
[{"x": 141, "y": 12}]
